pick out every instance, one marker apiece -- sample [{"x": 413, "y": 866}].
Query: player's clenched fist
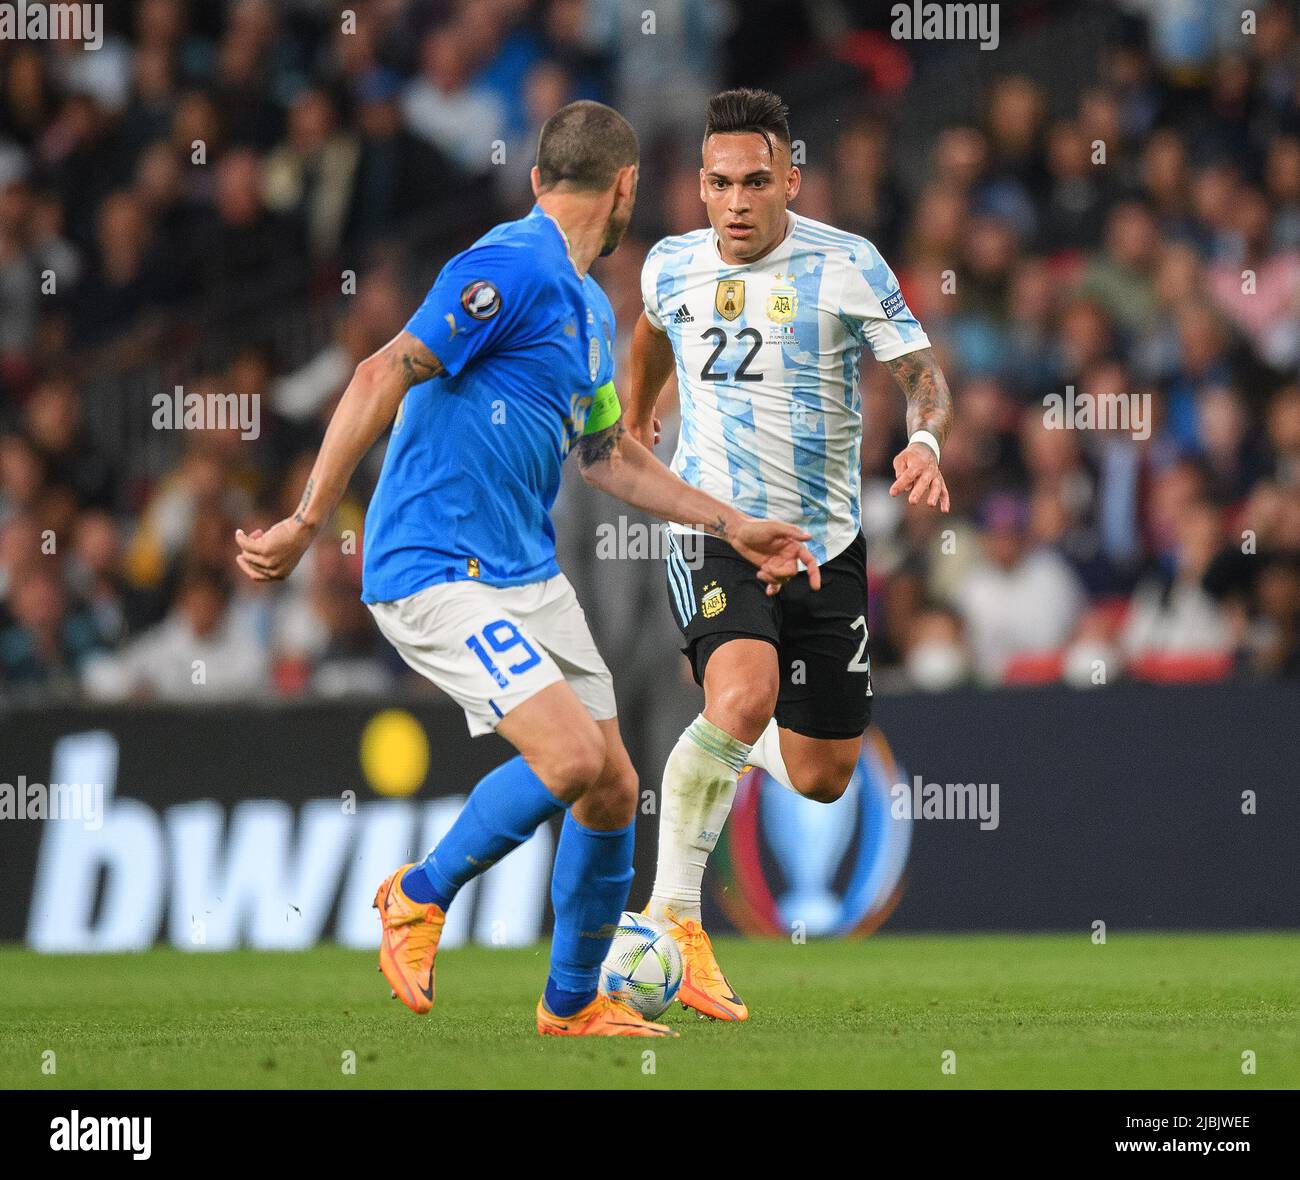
[
  {"x": 918, "y": 474},
  {"x": 272, "y": 555},
  {"x": 646, "y": 433}
]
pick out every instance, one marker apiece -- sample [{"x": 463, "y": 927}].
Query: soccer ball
[{"x": 643, "y": 967}]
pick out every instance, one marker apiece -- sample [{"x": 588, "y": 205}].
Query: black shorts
[{"x": 820, "y": 636}]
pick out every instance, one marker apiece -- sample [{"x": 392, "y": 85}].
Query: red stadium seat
[
  {"x": 1038, "y": 667},
  {"x": 1113, "y": 612},
  {"x": 1182, "y": 667}
]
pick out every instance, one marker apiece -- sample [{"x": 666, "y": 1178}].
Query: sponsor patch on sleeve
[
  {"x": 481, "y": 299},
  {"x": 892, "y": 304}
]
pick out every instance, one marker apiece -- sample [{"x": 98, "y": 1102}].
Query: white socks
[
  {"x": 766, "y": 753},
  {"x": 698, "y": 787}
]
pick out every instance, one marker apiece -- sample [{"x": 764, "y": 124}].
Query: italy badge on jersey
[{"x": 730, "y": 298}]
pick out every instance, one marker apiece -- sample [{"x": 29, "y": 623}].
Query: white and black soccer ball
[{"x": 643, "y": 967}]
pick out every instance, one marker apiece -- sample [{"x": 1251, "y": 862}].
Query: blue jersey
[{"x": 474, "y": 459}]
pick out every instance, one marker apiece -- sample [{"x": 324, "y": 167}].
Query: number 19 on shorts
[{"x": 504, "y": 638}]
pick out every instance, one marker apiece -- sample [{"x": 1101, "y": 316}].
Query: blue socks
[
  {"x": 502, "y": 812},
  {"x": 589, "y": 886}
]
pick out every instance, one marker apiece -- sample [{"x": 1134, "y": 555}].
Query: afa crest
[
  {"x": 782, "y": 300},
  {"x": 729, "y": 298},
  {"x": 713, "y": 602}
]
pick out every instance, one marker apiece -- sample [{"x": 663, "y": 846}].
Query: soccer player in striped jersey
[{"x": 764, "y": 315}]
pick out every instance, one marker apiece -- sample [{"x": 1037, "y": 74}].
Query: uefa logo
[{"x": 836, "y": 868}]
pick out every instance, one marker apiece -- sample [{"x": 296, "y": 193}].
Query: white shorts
[{"x": 490, "y": 648}]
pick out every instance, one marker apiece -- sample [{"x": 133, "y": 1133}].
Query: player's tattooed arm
[
  {"x": 929, "y": 402},
  {"x": 717, "y": 526},
  {"x": 364, "y": 412},
  {"x": 614, "y": 461},
  {"x": 410, "y": 361},
  {"x": 305, "y": 502},
  {"x": 599, "y": 447},
  {"x": 929, "y": 407}
]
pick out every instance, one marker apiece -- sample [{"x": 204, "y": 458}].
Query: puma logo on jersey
[{"x": 683, "y": 315}]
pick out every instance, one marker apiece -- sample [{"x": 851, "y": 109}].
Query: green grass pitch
[{"x": 1049, "y": 1012}]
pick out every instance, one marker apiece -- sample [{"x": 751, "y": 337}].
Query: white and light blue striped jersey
[{"x": 767, "y": 369}]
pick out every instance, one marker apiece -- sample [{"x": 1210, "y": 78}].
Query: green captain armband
[{"x": 605, "y": 410}]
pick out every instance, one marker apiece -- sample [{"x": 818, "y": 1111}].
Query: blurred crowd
[{"x": 224, "y": 163}]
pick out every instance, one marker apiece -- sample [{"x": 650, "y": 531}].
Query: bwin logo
[{"x": 149, "y": 872}]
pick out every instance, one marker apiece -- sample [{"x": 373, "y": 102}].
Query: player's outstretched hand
[
  {"x": 777, "y": 549},
  {"x": 918, "y": 474},
  {"x": 271, "y": 555}
]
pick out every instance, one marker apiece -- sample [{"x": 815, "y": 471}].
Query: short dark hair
[
  {"x": 760, "y": 111},
  {"x": 585, "y": 144}
]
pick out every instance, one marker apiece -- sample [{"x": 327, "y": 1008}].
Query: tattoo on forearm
[
  {"x": 717, "y": 526},
  {"x": 415, "y": 366},
  {"x": 306, "y": 499},
  {"x": 598, "y": 447},
  {"x": 929, "y": 402}
]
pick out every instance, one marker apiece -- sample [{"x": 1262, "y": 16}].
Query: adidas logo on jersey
[{"x": 683, "y": 315}]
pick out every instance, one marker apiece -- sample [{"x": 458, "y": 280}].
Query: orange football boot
[
  {"x": 704, "y": 987},
  {"x": 409, "y": 943},
  {"x": 603, "y": 1017}
]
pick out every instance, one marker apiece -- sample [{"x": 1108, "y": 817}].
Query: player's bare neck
[
  {"x": 581, "y": 223},
  {"x": 730, "y": 260}
]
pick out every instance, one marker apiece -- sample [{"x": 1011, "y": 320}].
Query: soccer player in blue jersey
[
  {"x": 764, "y": 315},
  {"x": 506, "y": 366}
]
